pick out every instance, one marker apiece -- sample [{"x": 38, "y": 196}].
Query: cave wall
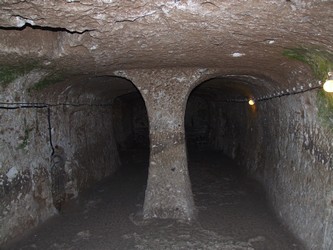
[
  {"x": 130, "y": 122},
  {"x": 159, "y": 35},
  {"x": 286, "y": 145},
  {"x": 123, "y": 125},
  {"x": 140, "y": 123},
  {"x": 197, "y": 123},
  {"x": 34, "y": 184}
]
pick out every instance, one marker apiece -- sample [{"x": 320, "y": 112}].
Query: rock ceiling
[{"x": 105, "y": 35}]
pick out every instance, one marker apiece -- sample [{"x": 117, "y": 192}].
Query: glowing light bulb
[
  {"x": 328, "y": 85},
  {"x": 251, "y": 102}
]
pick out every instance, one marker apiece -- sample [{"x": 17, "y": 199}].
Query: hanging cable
[
  {"x": 50, "y": 129},
  {"x": 272, "y": 96},
  {"x": 287, "y": 93},
  {"x": 27, "y": 105},
  {"x": 17, "y": 105}
]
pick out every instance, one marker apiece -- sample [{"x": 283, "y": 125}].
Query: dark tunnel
[
  {"x": 166, "y": 125},
  {"x": 218, "y": 122},
  {"x": 130, "y": 124}
]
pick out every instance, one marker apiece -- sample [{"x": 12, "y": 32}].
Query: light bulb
[
  {"x": 328, "y": 85},
  {"x": 251, "y": 102}
]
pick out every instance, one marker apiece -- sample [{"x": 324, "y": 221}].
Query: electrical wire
[
  {"x": 18, "y": 105},
  {"x": 37, "y": 105},
  {"x": 273, "y": 96},
  {"x": 50, "y": 129},
  {"x": 27, "y": 105}
]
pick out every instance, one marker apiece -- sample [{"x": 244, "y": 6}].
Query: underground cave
[{"x": 166, "y": 124}]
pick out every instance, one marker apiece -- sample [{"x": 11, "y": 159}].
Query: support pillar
[{"x": 168, "y": 193}]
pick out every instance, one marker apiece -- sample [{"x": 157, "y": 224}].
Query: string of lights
[
  {"x": 287, "y": 92},
  {"x": 328, "y": 87},
  {"x": 284, "y": 93}
]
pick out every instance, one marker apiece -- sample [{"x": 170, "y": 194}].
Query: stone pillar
[{"x": 168, "y": 193}]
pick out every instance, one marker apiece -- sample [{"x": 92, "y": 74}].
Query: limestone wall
[
  {"x": 284, "y": 144},
  {"x": 32, "y": 183},
  {"x": 130, "y": 122}
]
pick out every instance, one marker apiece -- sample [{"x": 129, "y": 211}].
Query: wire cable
[{"x": 50, "y": 129}]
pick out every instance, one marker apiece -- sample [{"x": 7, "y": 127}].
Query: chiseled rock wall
[
  {"x": 284, "y": 144},
  {"x": 32, "y": 183}
]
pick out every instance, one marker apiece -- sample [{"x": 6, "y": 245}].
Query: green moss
[
  {"x": 9, "y": 73},
  {"x": 325, "y": 108},
  {"x": 47, "y": 81},
  {"x": 321, "y": 62}
]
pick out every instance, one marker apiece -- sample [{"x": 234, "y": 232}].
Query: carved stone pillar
[{"x": 165, "y": 91}]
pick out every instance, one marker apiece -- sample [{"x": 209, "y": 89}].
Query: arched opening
[
  {"x": 131, "y": 125},
  {"x": 207, "y": 121},
  {"x": 220, "y": 125},
  {"x": 284, "y": 140},
  {"x": 100, "y": 130}
]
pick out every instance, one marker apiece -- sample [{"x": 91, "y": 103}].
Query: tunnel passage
[
  {"x": 284, "y": 142},
  {"x": 108, "y": 208},
  {"x": 67, "y": 150},
  {"x": 109, "y": 127},
  {"x": 130, "y": 124},
  {"x": 218, "y": 122},
  {"x": 269, "y": 141},
  {"x": 97, "y": 150},
  {"x": 209, "y": 118}
]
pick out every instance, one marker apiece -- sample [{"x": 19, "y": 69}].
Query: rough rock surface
[
  {"x": 31, "y": 177},
  {"x": 167, "y": 48},
  {"x": 101, "y": 36},
  {"x": 285, "y": 145}
]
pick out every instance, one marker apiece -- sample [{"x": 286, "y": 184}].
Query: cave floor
[{"x": 232, "y": 214}]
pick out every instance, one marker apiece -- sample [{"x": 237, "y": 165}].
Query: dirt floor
[{"x": 232, "y": 214}]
